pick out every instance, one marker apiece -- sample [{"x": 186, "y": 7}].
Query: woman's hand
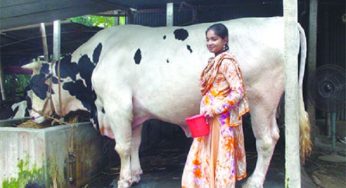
[{"x": 208, "y": 113}]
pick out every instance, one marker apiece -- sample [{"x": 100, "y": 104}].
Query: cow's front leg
[
  {"x": 266, "y": 134},
  {"x": 135, "y": 162}
]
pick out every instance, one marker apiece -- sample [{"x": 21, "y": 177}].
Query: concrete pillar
[
  {"x": 292, "y": 157},
  {"x": 116, "y": 20},
  {"x": 312, "y": 45},
  {"x": 169, "y": 14}
]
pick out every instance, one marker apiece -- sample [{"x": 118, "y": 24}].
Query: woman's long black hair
[{"x": 220, "y": 30}]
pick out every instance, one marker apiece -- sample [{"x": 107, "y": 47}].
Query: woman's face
[{"x": 215, "y": 43}]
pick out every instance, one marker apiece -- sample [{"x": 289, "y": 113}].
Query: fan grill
[{"x": 327, "y": 88}]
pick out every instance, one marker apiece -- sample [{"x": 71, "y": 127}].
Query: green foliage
[
  {"x": 25, "y": 176},
  {"x": 14, "y": 85},
  {"x": 94, "y": 21},
  {"x": 122, "y": 20}
]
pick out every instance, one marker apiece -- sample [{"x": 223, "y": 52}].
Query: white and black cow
[
  {"x": 16, "y": 111},
  {"x": 20, "y": 109},
  {"x": 144, "y": 73},
  {"x": 75, "y": 89}
]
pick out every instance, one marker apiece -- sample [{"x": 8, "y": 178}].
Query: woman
[{"x": 218, "y": 160}]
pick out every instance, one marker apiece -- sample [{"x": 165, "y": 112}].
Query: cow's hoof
[
  {"x": 136, "y": 176},
  {"x": 136, "y": 179},
  {"x": 124, "y": 183},
  {"x": 252, "y": 183}
]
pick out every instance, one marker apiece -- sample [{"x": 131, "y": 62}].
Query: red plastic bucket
[{"x": 198, "y": 125}]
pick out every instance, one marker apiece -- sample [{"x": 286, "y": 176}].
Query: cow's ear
[{"x": 35, "y": 66}]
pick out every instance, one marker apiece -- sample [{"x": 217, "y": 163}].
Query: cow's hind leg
[
  {"x": 267, "y": 134},
  {"x": 136, "y": 169},
  {"x": 119, "y": 113}
]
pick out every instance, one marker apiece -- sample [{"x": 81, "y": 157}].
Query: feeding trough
[{"x": 59, "y": 156}]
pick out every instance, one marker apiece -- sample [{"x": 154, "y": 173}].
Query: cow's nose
[
  {"x": 38, "y": 119},
  {"x": 35, "y": 117}
]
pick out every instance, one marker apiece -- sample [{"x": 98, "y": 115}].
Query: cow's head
[
  {"x": 39, "y": 90},
  {"x": 63, "y": 87}
]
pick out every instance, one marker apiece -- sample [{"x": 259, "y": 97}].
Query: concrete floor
[
  {"x": 166, "y": 173},
  {"x": 163, "y": 157},
  {"x": 163, "y": 168}
]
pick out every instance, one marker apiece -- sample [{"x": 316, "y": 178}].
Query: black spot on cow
[
  {"x": 189, "y": 48},
  {"x": 48, "y": 76},
  {"x": 96, "y": 53},
  {"x": 67, "y": 68},
  {"x": 81, "y": 92},
  {"x": 167, "y": 60},
  {"x": 181, "y": 34},
  {"x": 86, "y": 67},
  {"x": 39, "y": 86},
  {"x": 15, "y": 110},
  {"x": 27, "y": 98},
  {"x": 164, "y": 37},
  {"x": 93, "y": 111},
  {"x": 138, "y": 56},
  {"x": 55, "y": 80},
  {"x": 29, "y": 103},
  {"x": 103, "y": 110},
  {"x": 27, "y": 114},
  {"x": 45, "y": 68}
]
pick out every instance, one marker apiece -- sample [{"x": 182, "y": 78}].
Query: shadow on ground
[{"x": 164, "y": 160}]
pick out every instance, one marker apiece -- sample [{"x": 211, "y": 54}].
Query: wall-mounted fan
[{"x": 327, "y": 91}]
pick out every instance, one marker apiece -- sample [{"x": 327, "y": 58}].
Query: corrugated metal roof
[
  {"x": 16, "y": 13},
  {"x": 18, "y": 47}
]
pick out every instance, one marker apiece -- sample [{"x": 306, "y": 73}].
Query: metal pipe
[
  {"x": 3, "y": 97},
  {"x": 169, "y": 14},
  {"x": 56, "y": 40},
  {"x": 44, "y": 41},
  {"x": 30, "y": 26},
  {"x": 333, "y": 120},
  {"x": 312, "y": 41}
]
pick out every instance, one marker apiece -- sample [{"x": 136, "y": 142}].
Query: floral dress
[{"x": 219, "y": 160}]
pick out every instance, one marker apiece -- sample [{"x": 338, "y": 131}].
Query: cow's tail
[{"x": 305, "y": 139}]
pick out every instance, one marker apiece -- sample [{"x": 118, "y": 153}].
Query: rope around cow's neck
[
  {"x": 49, "y": 117},
  {"x": 51, "y": 100}
]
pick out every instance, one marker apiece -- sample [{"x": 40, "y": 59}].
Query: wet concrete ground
[
  {"x": 163, "y": 169},
  {"x": 327, "y": 167}
]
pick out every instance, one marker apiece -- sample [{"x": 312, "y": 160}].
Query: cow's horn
[{"x": 35, "y": 66}]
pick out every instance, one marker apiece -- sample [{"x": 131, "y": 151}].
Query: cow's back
[{"x": 160, "y": 67}]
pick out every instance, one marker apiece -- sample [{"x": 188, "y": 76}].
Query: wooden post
[
  {"x": 169, "y": 14},
  {"x": 292, "y": 158},
  {"x": 312, "y": 45}
]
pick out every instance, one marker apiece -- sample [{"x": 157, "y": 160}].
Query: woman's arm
[{"x": 232, "y": 74}]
